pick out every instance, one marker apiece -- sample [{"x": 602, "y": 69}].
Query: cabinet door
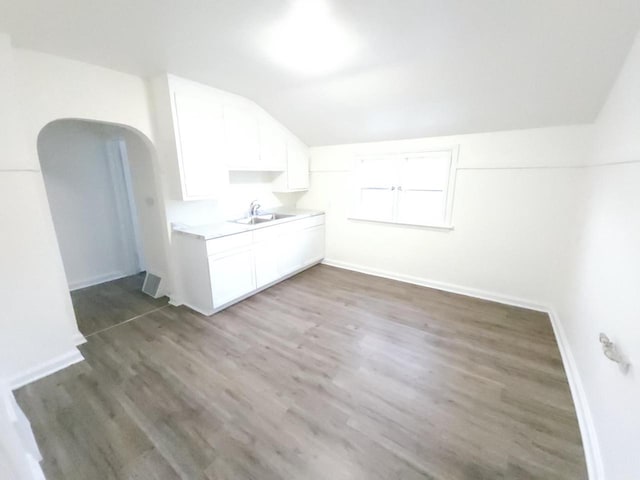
[
  {"x": 297, "y": 167},
  {"x": 312, "y": 245},
  {"x": 290, "y": 252},
  {"x": 200, "y": 135},
  {"x": 266, "y": 261},
  {"x": 241, "y": 139},
  {"x": 232, "y": 276},
  {"x": 273, "y": 147}
]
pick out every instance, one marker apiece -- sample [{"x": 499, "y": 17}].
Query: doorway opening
[{"x": 104, "y": 201}]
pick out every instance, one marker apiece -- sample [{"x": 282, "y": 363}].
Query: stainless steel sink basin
[{"x": 268, "y": 217}]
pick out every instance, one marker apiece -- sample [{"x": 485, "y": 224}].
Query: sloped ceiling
[{"x": 421, "y": 67}]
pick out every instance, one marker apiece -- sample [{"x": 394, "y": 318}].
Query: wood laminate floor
[
  {"x": 102, "y": 306},
  {"x": 328, "y": 375}
]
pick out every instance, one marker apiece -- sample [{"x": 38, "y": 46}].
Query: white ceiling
[{"x": 423, "y": 67}]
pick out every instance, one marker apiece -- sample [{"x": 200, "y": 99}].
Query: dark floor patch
[{"x": 108, "y": 304}]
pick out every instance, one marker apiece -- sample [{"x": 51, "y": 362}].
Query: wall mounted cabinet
[
  {"x": 296, "y": 176},
  {"x": 199, "y": 132},
  {"x": 204, "y": 133},
  {"x": 273, "y": 146},
  {"x": 242, "y": 144}
]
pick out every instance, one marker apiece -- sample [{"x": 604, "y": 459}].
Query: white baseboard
[
  {"x": 35, "y": 468},
  {"x": 583, "y": 413},
  {"x": 22, "y": 451},
  {"x": 447, "y": 287},
  {"x": 107, "y": 277},
  {"x": 45, "y": 369},
  {"x": 175, "y": 302},
  {"x": 78, "y": 339}
]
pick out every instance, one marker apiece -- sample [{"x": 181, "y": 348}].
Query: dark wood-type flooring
[
  {"x": 329, "y": 375},
  {"x": 102, "y": 306}
]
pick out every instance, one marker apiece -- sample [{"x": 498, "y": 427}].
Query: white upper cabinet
[
  {"x": 297, "y": 166},
  {"x": 203, "y": 133},
  {"x": 273, "y": 146},
  {"x": 296, "y": 177},
  {"x": 199, "y": 141},
  {"x": 242, "y": 145}
]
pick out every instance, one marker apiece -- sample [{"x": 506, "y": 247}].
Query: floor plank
[
  {"x": 330, "y": 374},
  {"x": 108, "y": 304}
]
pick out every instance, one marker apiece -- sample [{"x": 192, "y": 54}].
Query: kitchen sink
[{"x": 256, "y": 219}]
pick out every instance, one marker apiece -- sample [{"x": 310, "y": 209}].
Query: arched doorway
[{"x": 106, "y": 208}]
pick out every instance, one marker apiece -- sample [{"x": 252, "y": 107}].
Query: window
[{"x": 410, "y": 189}]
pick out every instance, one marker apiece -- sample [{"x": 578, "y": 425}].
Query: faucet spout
[{"x": 254, "y": 208}]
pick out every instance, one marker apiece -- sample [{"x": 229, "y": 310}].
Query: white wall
[
  {"x": 547, "y": 218},
  {"x": 38, "y": 331},
  {"x": 88, "y": 200},
  {"x": 603, "y": 295},
  {"x": 11, "y": 118},
  {"x": 529, "y": 220},
  {"x": 35, "y": 330},
  {"x": 49, "y": 88},
  {"x": 148, "y": 201},
  {"x": 515, "y": 204},
  {"x": 19, "y": 454},
  {"x": 37, "y": 323}
]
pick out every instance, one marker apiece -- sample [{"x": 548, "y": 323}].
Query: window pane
[
  {"x": 376, "y": 204},
  {"x": 421, "y": 208},
  {"x": 426, "y": 173},
  {"x": 379, "y": 172}
]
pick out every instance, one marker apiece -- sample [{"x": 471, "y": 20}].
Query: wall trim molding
[
  {"x": 590, "y": 443},
  {"x": 174, "y": 301},
  {"x": 79, "y": 339},
  {"x": 23, "y": 453},
  {"x": 107, "y": 277},
  {"x": 45, "y": 368},
  {"x": 446, "y": 287}
]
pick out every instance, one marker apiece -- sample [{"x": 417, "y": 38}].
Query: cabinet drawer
[
  {"x": 230, "y": 242},
  {"x": 310, "y": 222},
  {"x": 268, "y": 233}
]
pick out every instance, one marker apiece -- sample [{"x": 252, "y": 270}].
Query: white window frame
[{"x": 449, "y": 191}]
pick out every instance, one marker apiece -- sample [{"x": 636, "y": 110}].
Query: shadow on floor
[{"x": 111, "y": 303}]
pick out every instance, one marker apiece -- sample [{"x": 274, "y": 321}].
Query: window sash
[{"x": 412, "y": 189}]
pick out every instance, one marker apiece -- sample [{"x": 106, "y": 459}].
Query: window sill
[{"x": 443, "y": 226}]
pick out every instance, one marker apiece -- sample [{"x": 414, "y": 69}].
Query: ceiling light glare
[{"x": 309, "y": 40}]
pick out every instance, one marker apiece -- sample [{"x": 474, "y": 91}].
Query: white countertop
[{"x": 216, "y": 230}]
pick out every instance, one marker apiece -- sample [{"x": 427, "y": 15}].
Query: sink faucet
[{"x": 254, "y": 208}]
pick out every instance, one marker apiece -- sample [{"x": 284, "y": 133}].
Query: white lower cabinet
[
  {"x": 232, "y": 276},
  {"x": 266, "y": 262},
  {"x": 289, "y": 253},
  {"x": 216, "y": 273},
  {"x": 313, "y": 242},
  {"x": 300, "y": 248}
]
